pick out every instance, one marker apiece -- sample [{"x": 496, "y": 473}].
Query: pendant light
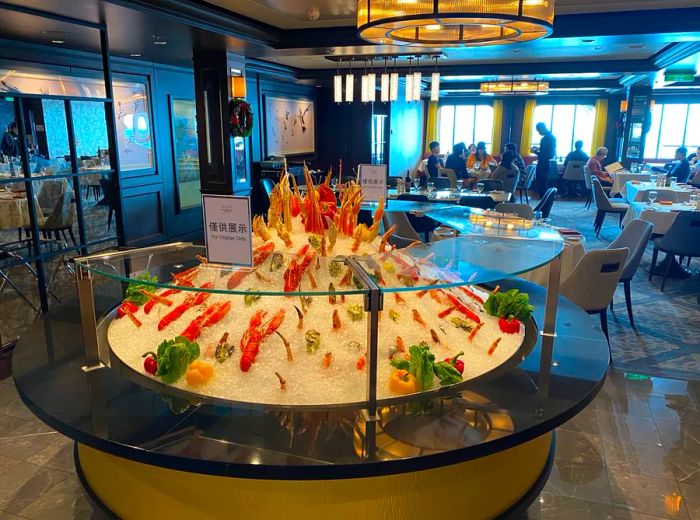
[
  {"x": 337, "y": 84},
  {"x": 409, "y": 82},
  {"x": 435, "y": 84},
  {"x": 384, "y": 80},
  {"x": 371, "y": 83},
  {"x": 417, "y": 81},
  {"x": 453, "y": 23},
  {"x": 394, "y": 84},
  {"x": 349, "y": 84},
  {"x": 364, "y": 86}
]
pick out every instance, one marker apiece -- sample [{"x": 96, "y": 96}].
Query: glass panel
[
  {"x": 56, "y": 211},
  {"x": 446, "y": 131},
  {"x": 692, "y": 132},
  {"x": 133, "y": 126},
  {"x": 563, "y": 126},
  {"x": 90, "y": 128},
  {"x": 464, "y": 124},
  {"x": 185, "y": 152},
  {"x": 47, "y": 136},
  {"x": 9, "y": 146},
  {"x": 651, "y": 147},
  {"x": 672, "y": 130},
  {"x": 585, "y": 126},
  {"x": 30, "y": 81},
  {"x": 239, "y": 164},
  {"x": 100, "y": 199},
  {"x": 483, "y": 130}
]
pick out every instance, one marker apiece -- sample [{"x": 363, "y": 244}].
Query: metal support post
[
  {"x": 93, "y": 357},
  {"x": 548, "y": 332}
]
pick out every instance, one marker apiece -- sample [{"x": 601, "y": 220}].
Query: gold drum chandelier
[
  {"x": 445, "y": 23},
  {"x": 514, "y": 88}
]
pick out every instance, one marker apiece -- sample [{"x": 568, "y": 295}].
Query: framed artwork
[{"x": 289, "y": 126}]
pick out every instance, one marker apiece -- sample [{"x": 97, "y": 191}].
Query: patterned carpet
[{"x": 667, "y": 340}]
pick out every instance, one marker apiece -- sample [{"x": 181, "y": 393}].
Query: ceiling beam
[{"x": 674, "y": 53}]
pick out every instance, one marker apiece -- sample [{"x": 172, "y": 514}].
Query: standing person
[
  {"x": 545, "y": 153},
  {"x": 434, "y": 161},
  {"x": 10, "y": 141}
]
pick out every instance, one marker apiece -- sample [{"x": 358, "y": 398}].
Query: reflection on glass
[
  {"x": 133, "y": 125},
  {"x": 47, "y": 136},
  {"x": 186, "y": 153},
  {"x": 239, "y": 168},
  {"x": 9, "y": 145},
  {"x": 56, "y": 210},
  {"x": 90, "y": 128},
  {"x": 99, "y": 198},
  {"x": 14, "y": 211},
  {"x": 34, "y": 81}
]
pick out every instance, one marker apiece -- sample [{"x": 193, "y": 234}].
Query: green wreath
[{"x": 240, "y": 118}]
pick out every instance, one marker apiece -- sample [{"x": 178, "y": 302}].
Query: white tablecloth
[
  {"x": 14, "y": 213},
  {"x": 621, "y": 178},
  {"x": 661, "y": 216},
  {"x": 572, "y": 254},
  {"x": 633, "y": 192}
]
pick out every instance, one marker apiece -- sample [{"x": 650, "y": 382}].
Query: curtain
[
  {"x": 601, "y": 124},
  {"x": 528, "y": 116},
  {"x": 431, "y": 125},
  {"x": 497, "y": 127}
]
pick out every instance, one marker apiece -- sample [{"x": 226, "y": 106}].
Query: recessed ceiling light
[
  {"x": 636, "y": 46},
  {"x": 516, "y": 51},
  {"x": 588, "y": 40},
  {"x": 598, "y": 48},
  {"x": 58, "y": 42},
  {"x": 135, "y": 54},
  {"x": 157, "y": 40}
]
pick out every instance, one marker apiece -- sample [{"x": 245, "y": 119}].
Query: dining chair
[
  {"x": 450, "y": 174},
  {"x": 635, "y": 237},
  {"x": 110, "y": 199},
  {"x": 573, "y": 173},
  {"x": 404, "y": 229},
  {"x": 424, "y": 225},
  {"x": 509, "y": 181},
  {"x": 682, "y": 238},
  {"x": 521, "y": 210},
  {"x": 441, "y": 183},
  {"x": 492, "y": 185},
  {"x": 474, "y": 201},
  {"x": 593, "y": 281},
  {"x": 589, "y": 185},
  {"x": 545, "y": 205},
  {"x": 526, "y": 182},
  {"x": 605, "y": 206}
]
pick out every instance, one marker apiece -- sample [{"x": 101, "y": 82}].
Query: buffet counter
[{"x": 482, "y": 452}]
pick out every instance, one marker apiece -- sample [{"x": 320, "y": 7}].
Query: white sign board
[
  {"x": 227, "y": 229},
  {"x": 373, "y": 181}
]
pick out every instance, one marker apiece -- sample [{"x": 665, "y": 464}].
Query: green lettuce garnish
[
  {"x": 174, "y": 356},
  {"x": 509, "y": 304},
  {"x": 133, "y": 292}
]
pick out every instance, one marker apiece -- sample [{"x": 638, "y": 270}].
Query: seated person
[
  {"x": 434, "y": 161},
  {"x": 456, "y": 161},
  {"x": 517, "y": 158},
  {"x": 577, "y": 154},
  {"x": 595, "y": 166},
  {"x": 507, "y": 172},
  {"x": 681, "y": 170},
  {"x": 480, "y": 156},
  {"x": 694, "y": 158}
]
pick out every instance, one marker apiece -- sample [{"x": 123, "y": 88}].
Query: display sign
[
  {"x": 373, "y": 181},
  {"x": 227, "y": 229}
]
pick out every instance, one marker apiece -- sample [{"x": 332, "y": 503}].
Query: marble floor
[{"x": 634, "y": 453}]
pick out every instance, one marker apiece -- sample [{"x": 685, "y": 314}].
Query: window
[
  {"x": 464, "y": 124},
  {"x": 568, "y": 123},
  {"x": 672, "y": 126},
  {"x": 133, "y": 125},
  {"x": 378, "y": 138}
]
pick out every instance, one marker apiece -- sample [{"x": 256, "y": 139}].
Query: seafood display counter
[{"x": 370, "y": 383}]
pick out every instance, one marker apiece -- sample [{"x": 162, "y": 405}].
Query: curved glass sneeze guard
[{"x": 469, "y": 259}]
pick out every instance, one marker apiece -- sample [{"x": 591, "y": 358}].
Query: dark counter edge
[{"x": 313, "y": 472}]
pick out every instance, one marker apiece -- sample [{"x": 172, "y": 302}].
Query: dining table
[
  {"x": 661, "y": 216},
  {"x": 623, "y": 177},
  {"x": 14, "y": 210},
  {"x": 634, "y": 191}
]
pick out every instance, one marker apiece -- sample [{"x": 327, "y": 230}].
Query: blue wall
[{"x": 55, "y": 124}]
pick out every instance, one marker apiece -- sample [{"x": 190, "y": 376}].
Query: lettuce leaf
[{"x": 133, "y": 291}]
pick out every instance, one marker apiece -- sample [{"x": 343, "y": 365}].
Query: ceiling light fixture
[
  {"x": 371, "y": 83},
  {"x": 384, "y": 81},
  {"x": 364, "y": 86},
  {"x": 158, "y": 41},
  {"x": 452, "y": 23},
  {"x": 135, "y": 54},
  {"x": 349, "y": 84},
  {"x": 58, "y": 42},
  {"x": 417, "y": 81},
  {"x": 515, "y": 88},
  {"x": 394, "y": 84},
  {"x": 409, "y": 82},
  {"x": 337, "y": 84},
  {"x": 435, "y": 84}
]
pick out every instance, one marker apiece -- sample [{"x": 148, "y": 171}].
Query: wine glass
[
  {"x": 652, "y": 179},
  {"x": 652, "y": 196},
  {"x": 479, "y": 187},
  {"x": 431, "y": 189},
  {"x": 334, "y": 183},
  {"x": 416, "y": 183}
]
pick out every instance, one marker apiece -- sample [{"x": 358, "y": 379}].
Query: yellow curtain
[
  {"x": 431, "y": 125},
  {"x": 497, "y": 127},
  {"x": 528, "y": 117},
  {"x": 601, "y": 123}
]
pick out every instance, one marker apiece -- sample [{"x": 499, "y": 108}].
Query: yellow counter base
[{"x": 478, "y": 489}]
